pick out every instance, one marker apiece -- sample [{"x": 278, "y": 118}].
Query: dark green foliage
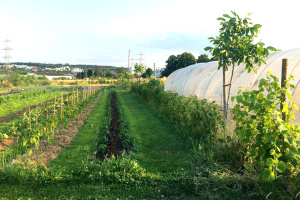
[
  {"x": 148, "y": 73},
  {"x": 203, "y": 58},
  {"x": 176, "y": 62},
  {"x": 185, "y": 59},
  {"x": 90, "y": 73}
]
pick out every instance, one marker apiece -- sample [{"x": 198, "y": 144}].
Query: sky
[{"x": 102, "y": 32}]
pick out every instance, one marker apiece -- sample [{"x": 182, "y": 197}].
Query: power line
[
  {"x": 141, "y": 57},
  {"x": 7, "y": 56}
]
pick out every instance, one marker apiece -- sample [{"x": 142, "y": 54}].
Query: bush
[{"x": 269, "y": 142}]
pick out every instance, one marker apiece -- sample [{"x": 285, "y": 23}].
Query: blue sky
[{"x": 102, "y": 31}]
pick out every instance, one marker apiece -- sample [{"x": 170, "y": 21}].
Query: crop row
[
  {"x": 43, "y": 121},
  {"x": 13, "y": 103},
  {"x": 113, "y": 137}
]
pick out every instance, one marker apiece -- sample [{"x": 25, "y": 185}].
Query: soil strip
[{"x": 114, "y": 144}]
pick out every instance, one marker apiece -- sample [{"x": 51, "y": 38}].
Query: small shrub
[{"x": 269, "y": 142}]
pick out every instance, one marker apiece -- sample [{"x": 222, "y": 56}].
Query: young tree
[
  {"x": 139, "y": 69},
  {"x": 235, "y": 45},
  {"x": 147, "y": 73}
]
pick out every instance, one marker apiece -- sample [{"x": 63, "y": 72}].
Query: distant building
[
  {"x": 158, "y": 72},
  {"x": 34, "y": 69},
  {"x": 131, "y": 70},
  {"x": 51, "y": 76},
  {"x": 76, "y": 70}
]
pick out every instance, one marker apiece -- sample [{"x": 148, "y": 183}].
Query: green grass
[{"x": 159, "y": 147}]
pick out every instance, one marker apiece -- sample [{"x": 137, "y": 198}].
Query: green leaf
[
  {"x": 267, "y": 175},
  {"x": 29, "y": 152},
  {"x": 271, "y": 48},
  {"x": 248, "y": 14},
  {"x": 281, "y": 167},
  {"x": 208, "y": 48},
  {"x": 285, "y": 107},
  {"x": 221, "y": 19},
  {"x": 269, "y": 162},
  {"x": 295, "y": 105},
  {"x": 261, "y": 44},
  {"x": 272, "y": 151},
  {"x": 226, "y": 15},
  {"x": 257, "y": 26}
]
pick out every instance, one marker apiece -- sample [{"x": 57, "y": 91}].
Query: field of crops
[{"x": 112, "y": 143}]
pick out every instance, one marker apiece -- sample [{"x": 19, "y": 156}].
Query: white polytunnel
[{"x": 205, "y": 80}]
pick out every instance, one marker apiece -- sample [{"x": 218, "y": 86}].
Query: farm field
[
  {"x": 149, "y": 156},
  {"x": 168, "y": 166}
]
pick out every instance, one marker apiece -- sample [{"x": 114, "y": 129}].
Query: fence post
[
  {"x": 283, "y": 78},
  {"x": 224, "y": 91}
]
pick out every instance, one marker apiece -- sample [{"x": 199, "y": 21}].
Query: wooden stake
[
  {"x": 77, "y": 96},
  {"x": 283, "y": 78},
  {"x": 29, "y": 118},
  {"x": 36, "y": 115},
  {"x": 224, "y": 91},
  {"x": 47, "y": 122},
  {"x": 61, "y": 109},
  {"x": 54, "y": 104},
  {"x": 68, "y": 101}
]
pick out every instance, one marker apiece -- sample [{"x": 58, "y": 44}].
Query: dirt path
[{"x": 62, "y": 138}]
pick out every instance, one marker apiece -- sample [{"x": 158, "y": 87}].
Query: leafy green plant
[
  {"x": 235, "y": 45},
  {"x": 269, "y": 142}
]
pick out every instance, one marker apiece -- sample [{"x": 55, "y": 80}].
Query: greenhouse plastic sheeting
[{"x": 205, "y": 80}]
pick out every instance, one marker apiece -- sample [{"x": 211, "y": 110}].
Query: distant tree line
[
  {"x": 183, "y": 60},
  {"x": 49, "y": 65},
  {"x": 99, "y": 72}
]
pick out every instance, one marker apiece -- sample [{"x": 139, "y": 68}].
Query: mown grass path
[{"x": 160, "y": 148}]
